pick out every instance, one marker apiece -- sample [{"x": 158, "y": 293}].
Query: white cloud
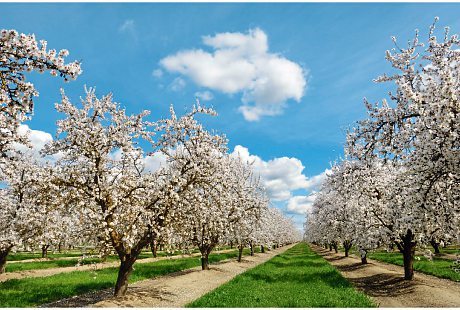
[
  {"x": 315, "y": 182},
  {"x": 178, "y": 84},
  {"x": 279, "y": 176},
  {"x": 127, "y": 26},
  {"x": 282, "y": 176},
  {"x": 154, "y": 162},
  {"x": 37, "y": 140},
  {"x": 151, "y": 163},
  {"x": 205, "y": 95},
  {"x": 301, "y": 204},
  {"x": 157, "y": 73},
  {"x": 241, "y": 63}
]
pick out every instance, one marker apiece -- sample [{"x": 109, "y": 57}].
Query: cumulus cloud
[
  {"x": 315, "y": 182},
  {"x": 301, "y": 204},
  {"x": 242, "y": 63},
  {"x": 155, "y": 161},
  {"x": 151, "y": 163},
  {"x": 204, "y": 95},
  {"x": 279, "y": 176},
  {"x": 37, "y": 140}
]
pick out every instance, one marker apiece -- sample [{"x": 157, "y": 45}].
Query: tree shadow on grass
[
  {"x": 83, "y": 300},
  {"x": 336, "y": 258},
  {"x": 384, "y": 285},
  {"x": 351, "y": 267}
]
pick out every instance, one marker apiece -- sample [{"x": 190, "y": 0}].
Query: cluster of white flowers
[
  {"x": 19, "y": 54},
  {"x": 400, "y": 183},
  {"x": 98, "y": 191}
]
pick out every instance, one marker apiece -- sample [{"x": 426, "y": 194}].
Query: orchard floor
[
  {"x": 385, "y": 283},
  {"x": 34, "y": 273},
  {"x": 173, "y": 290}
]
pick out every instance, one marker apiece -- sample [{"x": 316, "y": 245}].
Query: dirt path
[
  {"x": 96, "y": 266},
  {"x": 386, "y": 285}
]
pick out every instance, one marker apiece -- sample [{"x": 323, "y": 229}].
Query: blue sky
[{"x": 339, "y": 47}]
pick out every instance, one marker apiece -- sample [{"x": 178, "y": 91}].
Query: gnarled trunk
[
  {"x": 334, "y": 245},
  {"x": 262, "y": 249},
  {"x": 251, "y": 247},
  {"x": 205, "y": 261},
  {"x": 3, "y": 256},
  {"x": 435, "y": 246},
  {"x": 205, "y": 251},
  {"x": 363, "y": 254},
  {"x": 347, "y": 244},
  {"x": 45, "y": 250},
  {"x": 125, "y": 270},
  {"x": 240, "y": 253},
  {"x": 154, "y": 247},
  {"x": 407, "y": 247}
]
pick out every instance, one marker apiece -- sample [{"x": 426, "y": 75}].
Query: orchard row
[
  {"x": 91, "y": 185},
  {"x": 399, "y": 184}
]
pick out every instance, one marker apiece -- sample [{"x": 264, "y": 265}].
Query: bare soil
[
  {"x": 385, "y": 283},
  {"x": 173, "y": 290},
  {"x": 94, "y": 266}
]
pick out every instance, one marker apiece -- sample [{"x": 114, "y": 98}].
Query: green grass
[
  {"x": 31, "y": 292},
  {"x": 438, "y": 267},
  {"x": 53, "y": 264},
  {"x": 29, "y": 255},
  {"x": 450, "y": 250},
  {"x": 297, "y": 278}
]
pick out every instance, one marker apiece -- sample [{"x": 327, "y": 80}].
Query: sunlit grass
[
  {"x": 30, "y": 292},
  {"x": 438, "y": 267},
  {"x": 296, "y": 278}
]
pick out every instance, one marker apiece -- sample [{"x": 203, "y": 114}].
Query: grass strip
[
  {"x": 30, "y": 292},
  {"x": 439, "y": 267},
  {"x": 296, "y": 278}
]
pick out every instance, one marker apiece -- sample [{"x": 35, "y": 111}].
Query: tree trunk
[
  {"x": 154, "y": 247},
  {"x": 45, "y": 250},
  {"x": 363, "y": 254},
  {"x": 162, "y": 247},
  {"x": 334, "y": 245},
  {"x": 3, "y": 256},
  {"x": 262, "y": 249},
  {"x": 240, "y": 253},
  {"x": 60, "y": 247},
  {"x": 330, "y": 247},
  {"x": 408, "y": 256},
  {"x": 392, "y": 246},
  {"x": 126, "y": 267},
  {"x": 435, "y": 246},
  {"x": 347, "y": 246},
  {"x": 251, "y": 246},
  {"x": 407, "y": 248},
  {"x": 205, "y": 261},
  {"x": 231, "y": 244}
]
